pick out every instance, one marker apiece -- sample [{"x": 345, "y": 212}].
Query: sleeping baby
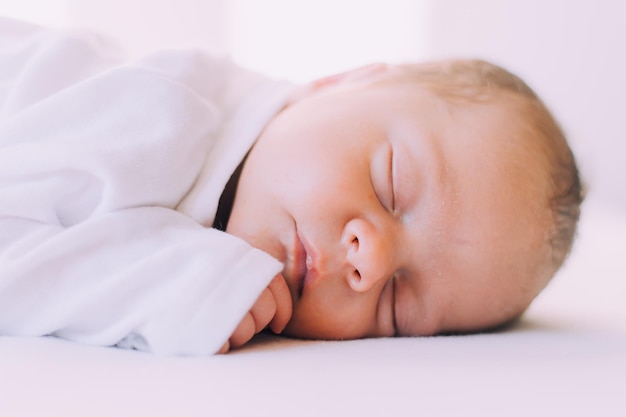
[{"x": 180, "y": 204}]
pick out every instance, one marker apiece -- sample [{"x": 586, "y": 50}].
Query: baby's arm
[
  {"x": 145, "y": 278},
  {"x": 273, "y": 308}
]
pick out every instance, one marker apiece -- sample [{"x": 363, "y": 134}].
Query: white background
[{"x": 571, "y": 52}]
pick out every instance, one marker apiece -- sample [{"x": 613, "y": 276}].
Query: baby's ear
[{"x": 353, "y": 76}]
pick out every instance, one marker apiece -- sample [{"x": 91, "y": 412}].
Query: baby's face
[{"x": 394, "y": 215}]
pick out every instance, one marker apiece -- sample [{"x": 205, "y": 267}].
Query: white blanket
[{"x": 110, "y": 174}]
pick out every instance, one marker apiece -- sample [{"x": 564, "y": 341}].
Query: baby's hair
[{"x": 474, "y": 80}]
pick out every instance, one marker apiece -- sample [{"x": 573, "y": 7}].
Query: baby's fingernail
[{"x": 277, "y": 329}]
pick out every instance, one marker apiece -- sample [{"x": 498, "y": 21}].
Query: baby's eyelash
[
  {"x": 391, "y": 187},
  {"x": 393, "y": 306}
]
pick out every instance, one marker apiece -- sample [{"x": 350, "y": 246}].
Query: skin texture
[{"x": 393, "y": 212}]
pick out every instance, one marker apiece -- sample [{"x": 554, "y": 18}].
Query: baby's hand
[{"x": 273, "y": 307}]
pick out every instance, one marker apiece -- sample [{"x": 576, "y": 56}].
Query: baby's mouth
[
  {"x": 303, "y": 270},
  {"x": 299, "y": 265}
]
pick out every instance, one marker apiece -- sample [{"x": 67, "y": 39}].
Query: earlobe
[{"x": 356, "y": 75}]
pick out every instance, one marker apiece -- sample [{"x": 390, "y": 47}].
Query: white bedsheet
[{"x": 567, "y": 357}]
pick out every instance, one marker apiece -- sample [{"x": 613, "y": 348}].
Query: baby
[
  {"x": 179, "y": 204},
  {"x": 407, "y": 200}
]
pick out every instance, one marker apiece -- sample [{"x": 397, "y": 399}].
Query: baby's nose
[{"x": 369, "y": 254}]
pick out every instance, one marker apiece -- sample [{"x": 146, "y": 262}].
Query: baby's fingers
[
  {"x": 244, "y": 332},
  {"x": 282, "y": 298},
  {"x": 263, "y": 310},
  {"x": 225, "y": 348}
]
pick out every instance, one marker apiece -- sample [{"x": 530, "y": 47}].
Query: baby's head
[{"x": 411, "y": 200}]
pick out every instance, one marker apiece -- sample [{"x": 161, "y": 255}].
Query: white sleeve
[
  {"x": 92, "y": 248},
  {"x": 147, "y": 278}
]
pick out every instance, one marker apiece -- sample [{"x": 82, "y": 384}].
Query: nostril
[
  {"x": 356, "y": 277},
  {"x": 355, "y": 242}
]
